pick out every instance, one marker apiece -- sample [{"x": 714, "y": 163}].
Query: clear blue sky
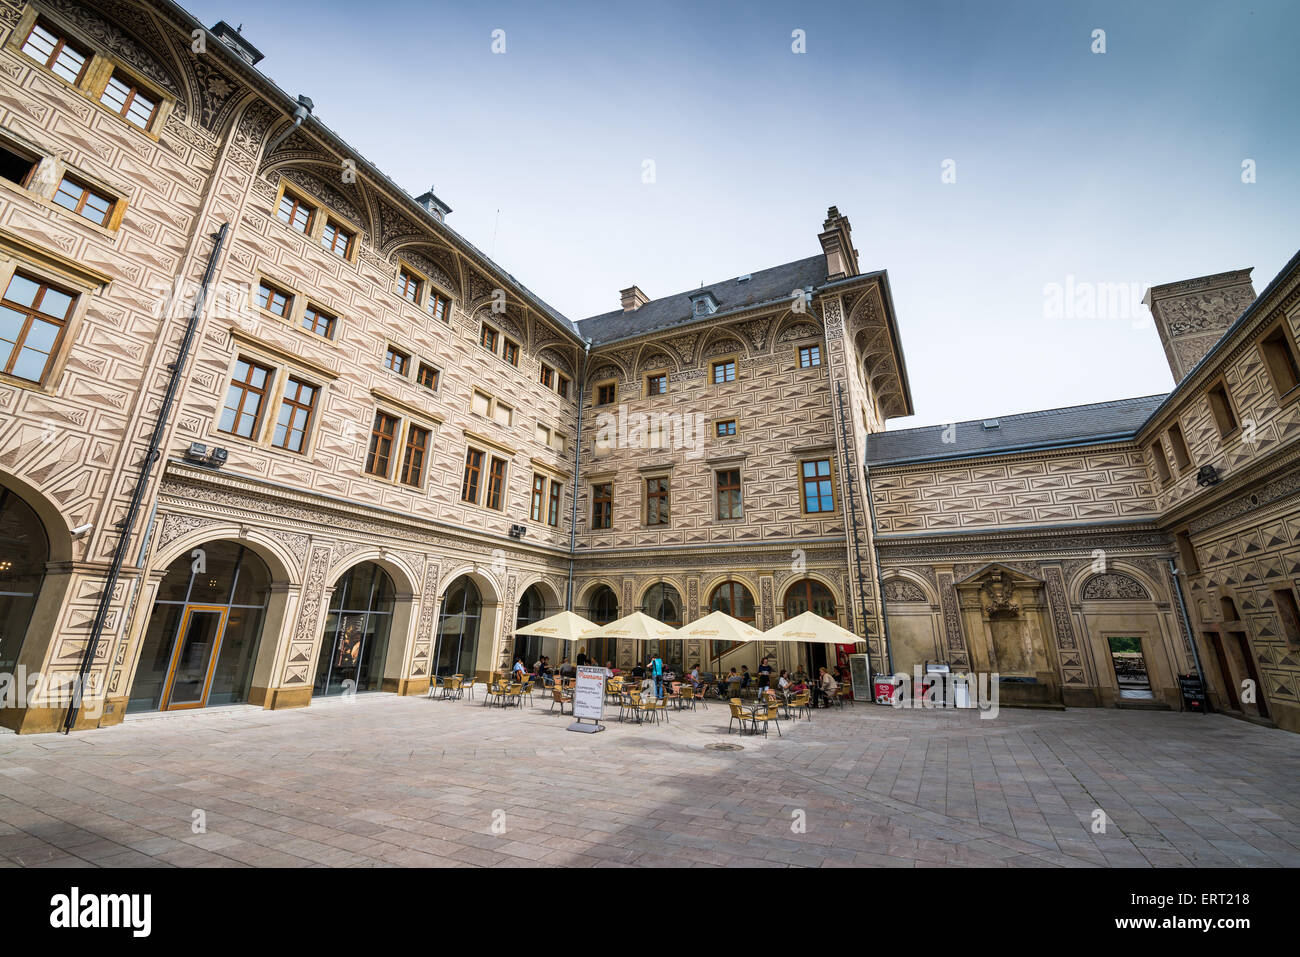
[{"x": 1119, "y": 167}]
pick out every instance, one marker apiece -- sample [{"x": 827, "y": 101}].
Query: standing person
[
  {"x": 764, "y": 673},
  {"x": 638, "y": 671},
  {"x": 582, "y": 657},
  {"x": 783, "y": 683},
  {"x": 657, "y": 672}
]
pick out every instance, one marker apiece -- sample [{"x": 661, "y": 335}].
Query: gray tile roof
[
  {"x": 731, "y": 294},
  {"x": 1099, "y": 421}
]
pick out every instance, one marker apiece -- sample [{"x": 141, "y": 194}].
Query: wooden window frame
[
  {"x": 724, "y": 363},
  {"x": 295, "y": 404},
  {"x": 1178, "y": 443},
  {"x": 719, "y": 423},
  {"x": 510, "y": 351},
  {"x": 289, "y": 296},
  {"x": 497, "y": 473},
  {"x": 600, "y": 386},
  {"x": 655, "y": 377},
  {"x": 554, "y": 499},
  {"x": 719, "y": 489},
  {"x": 602, "y": 505},
  {"x": 408, "y": 276},
  {"x": 32, "y": 314},
  {"x": 803, "y": 489},
  {"x": 1277, "y": 348},
  {"x": 562, "y": 385},
  {"x": 378, "y": 438},
  {"x": 472, "y": 479},
  {"x": 246, "y": 387},
  {"x": 435, "y": 298},
  {"x": 488, "y": 337},
  {"x": 299, "y": 203},
  {"x": 339, "y": 227},
  {"x": 537, "y": 498},
  {"x": 546, "y": 376},
  {"x": 423, "y": 367},
  {"x": 809, "y": 347},
  {"x": 392, "y": 350},
  {"x": 331, "y": 321},
  {"x": 26, "y": 154},
  {"x": 87, "y": 190},
  {"x": 659, "y": 495},
  {"x": 63, "y": 40},
  {"x": 415, "y": 456}
]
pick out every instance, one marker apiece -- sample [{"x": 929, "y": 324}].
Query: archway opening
[
  {"x": 602, "y": 608},
  {"x": 807, "y": 594},
  {"x": 458, "y": 627},
  {"x": 201, "y": 643},
  {"x": 24, "y": 553},
  {"x": 532, "y": 608},
  {"x": 663, "y": 602},
  {"x": 734, "y": 599},
  {"x": 357, "y": 629}
]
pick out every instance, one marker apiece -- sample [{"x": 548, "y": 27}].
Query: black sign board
[{"x": 1193, "y": 693}]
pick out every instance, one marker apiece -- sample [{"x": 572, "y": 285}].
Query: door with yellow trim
[{"x": 194, "y": 656}]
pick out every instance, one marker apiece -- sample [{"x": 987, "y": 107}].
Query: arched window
[
  {"x": 462, "y": 609},
  {"x": 200, "y": 646},
  {"x": 808, "y": 595},
  {"x": 734, "y": 599},
  {"x": 24, "y": 552},
  {"x": 602, "y": 608},
  {"x": 355, "y": 643},
  {"x": 532, "y": 608},
  {"x": 664, "y": 603}
]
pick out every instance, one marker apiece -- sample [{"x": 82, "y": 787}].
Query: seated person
[
  {"x": 639, "y": 671},
  {"x": 745, "y": 677}
]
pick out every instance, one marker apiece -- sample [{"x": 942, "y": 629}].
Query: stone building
[{"x": 368, "y": 453}]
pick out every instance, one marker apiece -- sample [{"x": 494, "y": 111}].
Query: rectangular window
[
  {"x": 33, "y": 316},
  {"x": 84, "y": 201},
  {"x": 1187, "y": 553},
  {"x": 729, "y": 505},
  {"x": 558, "y": 442},
  {"x": 1280, "y": 357},
  {"x": 496, "y": 489},
  {"x": 503, "y": 414},
  {"x": 408, "y": 287},
  {"x": 487, "y": 338},
  {"x": 817, "y": 491},
  {"x": 724, "y": 372},
  {"x": 273, "y": 300},
  {"x": 602, "y": 505},
  {"x": 656, "y": 501},
  {"x": 480, "y": 403},
  {"x": 1181, "y": 455},
  {"x": 1157, "y": 451},
  {"x": 127, "y": 99},
  {"x": 810, "y": 356},
  {"x": 563, "y": 387},
  {"x": 543, "y": 434},
  {"x": 58, "y": 54},
  {"x": 382, "y": 435},
  {"x": 656, "y": 384},
  {"x": 725, "y": 428},
  {"x": 15, "y": 166},
  {"x": 337, "y": 239},
  {"x": 510, "y": 352},
  {"x": 417, "y": 445},
  {"x": 553, "y": 507},
  {"x": 473, "y": 472},
  {"x": 245, "y": 398},
  {"x": 317, "y": 320},
  {"x": 1288, "y": 614},
  {"x": 606, "y": 393},
  {"x": 295, "y": 415},
  {"x": 539, "y": 496},
  {"x": 438, "y": 306},
  {"x": 395, "y": 360},
  {"x": 547, "y": 376},
  {"x": 1221, "y": 408},
  {"x": 295, "y": 213},
  {"x": 427, "y": 377}
]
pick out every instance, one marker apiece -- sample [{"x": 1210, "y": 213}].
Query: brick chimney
[
  {"x": 837, "y": 243},
  {"x": 1192, "y": 315},
  {"x": 633, "y": 298}
]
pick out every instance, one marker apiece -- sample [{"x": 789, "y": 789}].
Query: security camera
[{"x": 81, "y": 530}]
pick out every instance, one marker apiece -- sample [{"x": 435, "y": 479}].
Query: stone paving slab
[{"x": 379, "y": 780}]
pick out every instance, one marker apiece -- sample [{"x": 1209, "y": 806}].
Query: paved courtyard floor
[{"x": 382, "y": 780}]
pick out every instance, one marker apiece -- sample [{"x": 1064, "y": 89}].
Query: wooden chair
[
  {"x": 738, "y": 713},
  {"x": 561, "y": 697},
  {"x": 762, "y": 715}
]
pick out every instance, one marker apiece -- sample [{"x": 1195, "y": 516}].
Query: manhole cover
[{"x": 726, "y": 747}]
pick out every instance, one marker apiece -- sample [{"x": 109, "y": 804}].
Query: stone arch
[
  {"x": 435, "y": 261},
  {"x": 822, "y": 579},
  {"x": 284, "y": 566},
  {"x": 58, "y": 535},
  {"x": 606, "y": 368},
  {"x": 316, "y": 175},
  {"x": 554, "y": 601},
  {"x": 719, "y": 342},
  {"x": 584, "y": 594},
  {"x": 405, "y": 579},
  {"x": 655, "y": 356},
  {"x": 918, "y": 582}
]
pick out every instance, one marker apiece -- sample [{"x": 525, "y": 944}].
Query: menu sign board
[
  {"x": 589, "y": 694},
  {"x": 860, "y": 674}
]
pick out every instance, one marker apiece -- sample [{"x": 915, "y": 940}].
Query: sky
[{"x": 989, "y": 155}]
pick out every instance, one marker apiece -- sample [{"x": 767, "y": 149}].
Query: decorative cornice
[
  {"x": 490, "y": 443},
  {"x": 387, "y": 398},
  {"x": 238, "y": 334}
]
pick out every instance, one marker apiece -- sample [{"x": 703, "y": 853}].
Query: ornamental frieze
[{"x": 1113, "y": 586}]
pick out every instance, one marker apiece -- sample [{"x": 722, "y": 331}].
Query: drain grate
[{"x": 725, "y": 747}]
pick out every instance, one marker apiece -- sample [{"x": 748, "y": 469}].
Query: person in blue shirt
[{"x": 657, "y": 672}]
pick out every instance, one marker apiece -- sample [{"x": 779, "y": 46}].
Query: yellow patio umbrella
[
  {"x": 813, "y": 628},
  {"x": 565, "y": 625},
  {"x": 719, "y": 626},
  {"x": 638, "y": 626}
]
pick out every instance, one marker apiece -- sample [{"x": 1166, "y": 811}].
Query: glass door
[
  {"x": 193, "y": 657},
  {"x": 1130, "y": 667}
]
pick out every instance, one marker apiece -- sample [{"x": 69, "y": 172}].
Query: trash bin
[{"x": 884, "y": 688}]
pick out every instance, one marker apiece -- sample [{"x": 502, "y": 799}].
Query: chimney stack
[
  {"x": 633, "y": 298},
  {"x": 837, "y": 244},
  {"x": 1192, "y": 315}
]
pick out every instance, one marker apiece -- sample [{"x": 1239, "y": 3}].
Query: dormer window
[{"x": 703, "y": 304}]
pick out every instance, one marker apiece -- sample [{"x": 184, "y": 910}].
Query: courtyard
[{"x": 382, "y": 780}]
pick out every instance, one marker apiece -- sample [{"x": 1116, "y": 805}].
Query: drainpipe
[
  {"x": 1187, "y": 624},
  {"x": 577, "y": 461},
  {"x": 151, "y": 455},
  {"x": 303, "y": 110},
  {"x": 880, "y": 572}
]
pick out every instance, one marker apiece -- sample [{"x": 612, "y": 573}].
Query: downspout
[
  {"x": 577, "y": 461},
  {"x": 880, "y": 572},
  {"x": 151, "y": 455},
  {"x": 1187, "y": 624},
  {"x": 300, "y": 113}
]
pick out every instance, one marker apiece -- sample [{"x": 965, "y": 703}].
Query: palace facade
[{"x": 366, "y": 453}]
